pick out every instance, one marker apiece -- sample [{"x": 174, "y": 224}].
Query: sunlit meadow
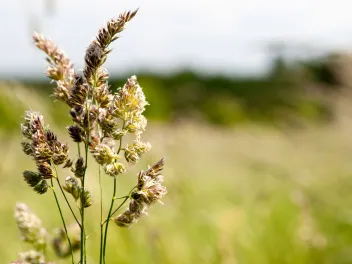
[{"x": 249, "y": 194}]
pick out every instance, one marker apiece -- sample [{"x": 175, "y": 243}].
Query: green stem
[
  {"x": 124, "y": 201},
  {"x": 68, "y": 203},
  {"x": 107, "y": 220},
  {"x": 62, "y": 218},
  {"x": 120, "y": 146},
  {"x": 126, "y": 197},
  {"x": 79, "y": 149},
  {"x": 83, "y": 237},
  {"x": 101, "y": 219},
  {"x": 63, "y": 193},
  {"x": 122, "y": 197},
  {"x": 111, "y": 205}
]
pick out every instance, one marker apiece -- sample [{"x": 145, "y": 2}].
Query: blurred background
[{"x": 250, "y": 102}]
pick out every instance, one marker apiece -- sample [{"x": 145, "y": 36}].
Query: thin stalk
[
  {"x": 83, "y": 237},
  {"x": 101, "y": 219},
  {"x": 62, "y": 218},
  {"x": 79, "y": 149},
  {"x": 63, "y": 193},
  {"x": 123, "y": 202},
  {"x": 111, "y": 206},
  {"x": 120, "y": 144},
  {"x": 122, "y": 197},
  {"x": 107, "y": 220},
  {"x": 126, "y": 197}
]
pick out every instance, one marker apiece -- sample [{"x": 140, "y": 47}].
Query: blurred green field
[{"x": 249, "y": 194}]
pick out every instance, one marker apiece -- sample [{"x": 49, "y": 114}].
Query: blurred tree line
[{"x": 289, "y": 93}]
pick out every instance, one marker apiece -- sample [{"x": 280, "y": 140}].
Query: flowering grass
[{"x": 102, "y": 121}]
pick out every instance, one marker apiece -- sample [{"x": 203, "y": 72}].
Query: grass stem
[{"x": 63, "y": 220}]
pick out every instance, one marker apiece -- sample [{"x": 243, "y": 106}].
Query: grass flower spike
[
  {"x": 149, "y": 190},
  {"x": 30, "y": 227}
]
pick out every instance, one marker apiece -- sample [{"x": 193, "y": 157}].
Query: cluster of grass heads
[{"x": 250, "y": 195}]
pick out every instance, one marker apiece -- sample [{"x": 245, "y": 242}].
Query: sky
[{"x": 208, "y": 36}]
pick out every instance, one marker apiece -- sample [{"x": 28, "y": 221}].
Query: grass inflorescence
[{"x": 106, "y": 126}]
